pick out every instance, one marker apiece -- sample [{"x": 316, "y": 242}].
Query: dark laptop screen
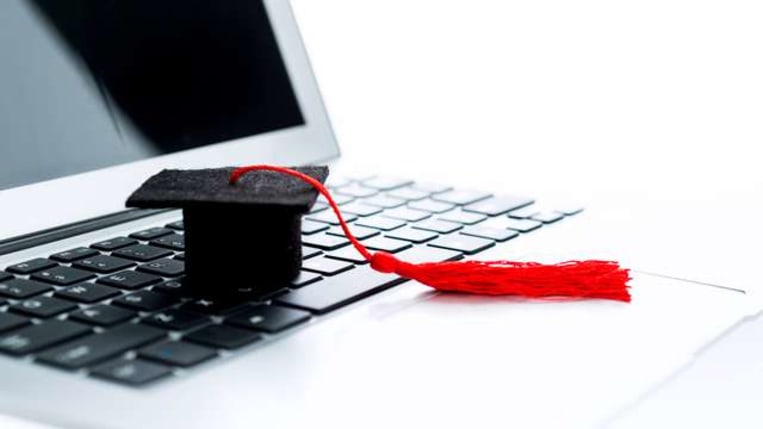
[{"x": 91, "y": 83}]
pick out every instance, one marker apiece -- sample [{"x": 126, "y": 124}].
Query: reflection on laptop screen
[{"x": 91, "y": 83}]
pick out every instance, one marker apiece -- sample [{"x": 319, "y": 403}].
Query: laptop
[{"x": 97, "y": 331}]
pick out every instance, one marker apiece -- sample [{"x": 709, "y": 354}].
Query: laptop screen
[{"x": 91, "y": 83}]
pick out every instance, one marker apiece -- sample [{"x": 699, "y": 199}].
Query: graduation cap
[{"x": 238, "y": 236}]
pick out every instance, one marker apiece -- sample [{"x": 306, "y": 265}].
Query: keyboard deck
[{"x": 117, "y": 309}]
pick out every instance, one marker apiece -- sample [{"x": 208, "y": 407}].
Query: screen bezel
[{"x": 73, "y": 198}]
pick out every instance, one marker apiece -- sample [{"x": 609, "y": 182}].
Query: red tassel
[{"x": 573, "y": 279}]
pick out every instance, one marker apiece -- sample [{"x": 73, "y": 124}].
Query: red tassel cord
[{"x": 571, "y": 279}]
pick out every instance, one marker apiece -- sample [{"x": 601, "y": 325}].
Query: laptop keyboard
[{"x": 117, "y": 309}]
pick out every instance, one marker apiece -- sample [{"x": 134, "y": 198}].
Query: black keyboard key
[
  {"x": 176, "y": 320},
  {"x": 360, "y": 232},
  {"x": 21, "y": 288},
  {"x": 309, "y": 252},
  {"x": 151, "y": 233},
  {"x": 311, "y": 227},
  {"x": 325, "y": 241},
  {"x": 379, "y": 222},
  {"x": 462, "y": 243},
  {"x": 498, "y": 205},
  {"x": 164, "y": 267},
  {"x": 304, "y": 279},
  {"x": 489, "y": 233},
  {"x": 462, "y": 217},
  {"x": 431, "y": 206},
  {"x": 133, "y": 372},
  {"x": 96, "y": 348},
  {"x": 438, "y": 226},
  {"x": 461, "y": 197},
  {"x": 62, "y": 276},
  {"x": 522, "y": 225},
  {"x": 406, "y": 214},
  {"x": 269, "y": 318},
  {"x": 113, "y": 243},
  {"x": 129, "y": 280},
  {"x": 87, "y": 293},
  {"x": 386, "y": 183},
  {"x": 177, "y": 353},
  {"x": 172, "y": 241},
  {"x": 222, "y": 337},
  {"x": 42, "y": 307},
  {"x": 326, "y": 266},
  {"x": 386, "y": 244},
  {"x": 178, "y": 225},
  {"x": 384, "y": 201},
  {"x": 11, "y": 321},
  {"x": 329, "y": 217},
  {"x": 412, "y": 235},
  {"x": 142, "y": 252},
  {"x": 31, "y": 266},
  {"x": 548, "y": 217},
  {"x": 145, "y": 301},
  {"x": 72, "y": 255},
  {"x": 349, "y": 254},
  {"x": 35, "y": 337},
  {"x": 5, "y": 276},
  {"x": 213, "y": 306},
  {"x": 103, "y": 264},
  {"x": 360, "y": 209},
  {"x": 102, "y": 315},
  {"x": 174, "y": 287},
  {"x": 334, "y": 292}
]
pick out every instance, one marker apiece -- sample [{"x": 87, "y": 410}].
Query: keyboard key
[
  {"x": 96, "y": 348},
  {"x": 178, "y": 225},
  {"x": 432, "y": 188},
  {"x": 87, "y": 293},
  {"x": 360, "y": 209},
  {"x": 72, "y": 255},
  {"x": 103, "y": 264},
  {"x": 142, "y": 252},
  {"x": 360, "y": 232},
  {"x": 305, "y": 278},
  {"x": 419, "y": 254},
  {"x": 269, "y": 318},
  {"x": 102, "y": 315},
  {"x": 311, "y": 227},
  {"x": 151, "y": 233},
  {"x": 11, "y": 321},
  {"x": 338, "y": 199},
  {"x": 463, "y": 217},
  {"x": 431, "y": 206},
  {"x": 164, "y": 267},
  {"x": 145, "y": 301},
  {"x": 412, "y": 235},
  {"x": 489, "y": 233},
  {"x": 356, "y": 191},
  {"x": 177, "y": 353},
  {"x": 548, "y": 217},
  {"x": 173, "y": 287},
  {"x": 349, "y": 254},
  {"x": 133, "y": 372},
  {"x": 334, "y": 292},
  {"x": 437, "y": 226},
  {"x": 222, "y": 337},
  {"x": 325, "y": 241},
  {"x": 569, "y": 210},
  {"x": 326, "y": 266},
  {"x": 213, "y": 306},
  {"x": 406, "y": 214},
  {"x": 525, "y": 212},
  {"x": 462, "y": 243},
  {"x": 31, "y": 266},
  {"x": 382, "y": 223},
  {"x": 329, "y": 217},
  {"x": 522, "y": 225},
  {"x": 42, "y": 307},
  {"x": 384, "y": 201},
  {"x": 309, "y": 252},
  {"x": 337, "y": 181},
  {"x": 113, "y": 243},
  {"x": 129, "y": 280},
  {"x": 498, "y": 205},
  {"x": 386, "y": 183},
  {"x": 21, "y": 289},
  {"x": 180, "y": 256},
  {"x": 172, "y": 241},
  {"x": 176, "y": 320},
  {"x": 62, "y": 276},
  {"x": 461, "y": 197},
  {"x": 408, "y": 194},
  {"x": 386, "y": 244},
  {"x": 5, "y": 276},
  {"x": 35, "y": 337}
]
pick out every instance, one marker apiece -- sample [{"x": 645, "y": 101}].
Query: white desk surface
[{"x": 656, "y": 100}]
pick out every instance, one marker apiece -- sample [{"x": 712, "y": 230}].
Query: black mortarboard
[{"x": 242, "y": 236}]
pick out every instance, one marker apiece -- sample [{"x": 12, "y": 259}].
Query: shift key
[{"x": 95, "y": 348}]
